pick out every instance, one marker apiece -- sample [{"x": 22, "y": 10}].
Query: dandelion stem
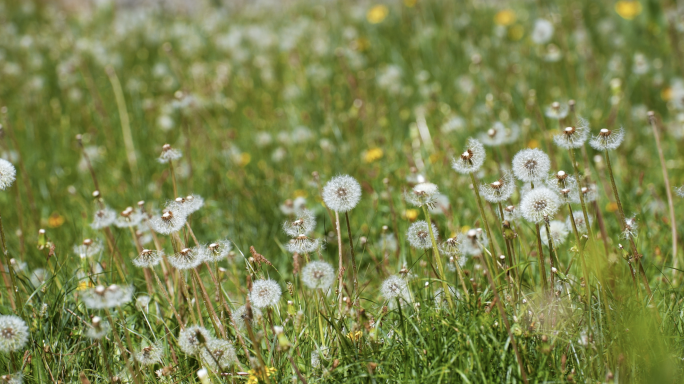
[
  {"x": 173, "y": 178},
  {"x": 438, "y": 259},
  {"x": 484, "y": 219},
  {"x": 353, "y": 257},
  {"x": 168, "y": 299},
  {"x": 668, "y": 191},
  {"x": 125, "y": 122},
  {"x": 551, "y": 252},
  {"x": 580, "y": 249},
  {"x": 623, "y": 224},
  {"x": 10, "y": 269},
  {"x": 207, "y": 301},
  {"x": 120, "y": 344},
  {"x": 340, "y": 272}
]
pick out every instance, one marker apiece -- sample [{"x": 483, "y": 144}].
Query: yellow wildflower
[
  {"x": 300, "y": 193},
  {"x": 611, "y": 207},
  {"x": 373, "y": 154},
  {"x": 465, "y": 229},
  {"x": 355, "y": 335},
  {"x": 628, "y": 10},
  {"x": 411, "y": 214},
  {"x": 85, "y": 284},
  {"x": 256, "y": 376},
  {"x": 55, "y": 220},
  {"x": 533, "y": 144},
  {"x": 245, "y": 158},
  {"x": 666, "y": 94},
  {"x": 377, "y": 14},
  {"x": 505, "y": 17}
]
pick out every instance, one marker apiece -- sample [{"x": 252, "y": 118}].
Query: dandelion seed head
[
  {"x": 186, "y": 205},
  {"x": 579, "y": 223},
  {"x": 265, "y": 293},
  {"x": 556, "y": 111},
  {"x": 98, "y": 328},
  {"x": 39, "y": 276},
  {"x": 88, "y": 248},
  {"x": 14, "y": 333},
  {"x": 471, "y": 159},
  {"x": 103, "y": 218},
  {"x": 188, "y": 258},
  {"x": 419, "y": 235},
  {"x": 395, "y": 287},
  {"x": 150, "y": 355},
  {"x": 573, "y": 137},
  {"x": 303, "y": 244},
  {"x": 15, "y": 378},
  {"x": 240, "y": 316},
  {"x": 531, "y": 165},
  {"x": 558, "y": 230},
  {"x": 129, "y": 218},
  {"x": 318, "y": 275},
  {"x": 304, "y": 223},
  {"x": 422, "y": 194},
  {"x": 542, "y": 31},
  {"x": 388, "y": 242},
  {"x": 631, "y": 228},
  {"x": 589, "y": 193},
  {"x": 148, "y": 258},
  {"x": 218, "y": 251},
  {"x": 473, "y": 241},
  {"x": 142, "y": 303},
  {"x": 440, "y": 297},
  {"x": 495, "y": 136},
  {"x": 538, "y": 204},
  {"x": 450, "y": 247},
  {"x": 170, "y": 221},
  {"x": 192, "y": 339},
  {"x": 565, "y": 186},
  {"x": 500, "y": 190},
  {"x": 290, "y": 207},
  {"x": 607, "y": 139},
  {"x": 102, "y": 297},
  {"x": 169, "y": 154},
  {"x": 680, "y": 191},
  {"x": 7, "y": 174},
  {"x": 511, "y": 213},
  {"x": 342, "y": 193},
  {"x": 219, "y": 354}
]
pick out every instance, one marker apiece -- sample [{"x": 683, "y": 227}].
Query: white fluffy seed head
[
  {"x": 103, "y": 218},
  {"x": 191, "y": 340},
  {"x": 342, "y": 193},
  {"x": 500, "y": 190},
  {"x": 579, "y": 222},
  {"x": 88, "y": 249},
  {"x": 538, "y": 204},
  {"x": 185, "y": 205},
  {"x": 557, "y": 111},
  {"x": 168, "y": 222},
  {"x": 511, "y": 213},
  {"x": 607, "y": 139},
  {"x": 419, "y": 235},
  {"x": 265, "y": 293},
  {"x": 573, "y": 137},
  {"x": 98, "y": 329},
  {"x": 589, "y": 193},
  {"x": 680, "y": 191},
  {"x": 218, "y": 251},
  {"x": 240, "y": 316},
  {"x": 318, "y": 275},
  {"x": 395, "y": 287},
  {"x": 218, "y": 355},
  {"x": 473, "y": 241},
  {"x": 542, "y": 32},
  {"x": 7, "y": 174},
  {"x": 559, "y": 233},
  {"x": 148, "y": 258},
  {"x": 303, "y": 224},
  {"x": 565, "y": 186},
  {"x": 169, "y": 154},
  {"x": 531, "y": 165},
  {"x": 303, "y": 244},
  {"x": 14, "y": 333},
  {"x": 150, "y": 355},
  {"x": 188, "y": 258},
  {"x": 102, "y": 297},
  {"x": 422, "y": 194},
  {"x": 499, "y": 134},
  {"x": 471, "y": 159},
  {"x": 631, "y": 228}
]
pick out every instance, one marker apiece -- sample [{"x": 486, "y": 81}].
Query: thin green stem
[
  {"x": 438, "y": 259},
  {"x": 484, "y": 219}
]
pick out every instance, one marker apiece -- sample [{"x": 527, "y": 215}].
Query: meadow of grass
[{"x": 255, "y": 108}]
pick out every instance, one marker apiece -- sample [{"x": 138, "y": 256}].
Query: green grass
[{"x": 223, "y": 79}]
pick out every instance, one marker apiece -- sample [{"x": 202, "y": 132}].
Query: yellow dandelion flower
[
  {"x": 377, "y": 14},
  {"x": 55, "y": 220},
  {"x": 355, "y": 335},
  {"x": 300, "y": 193},
  {"x": 83, "y": 285},
  {"x": 666, "y": 94},
  {"x": 533, "y": 144},
  {"x": 245, "y": 158},
  {"x": 611, "y": 207},
  {"x": 373, "y": 154},
  {"x": 505, "y": 17},
  {"x": 256, "y": 376},
  {"x": 628, "y": 10},
  {"x": 465, "y": 229},
  {"x": 411, "y": 214}
]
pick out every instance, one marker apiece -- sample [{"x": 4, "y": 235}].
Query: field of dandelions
[{"x": 413, "y": 191}]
